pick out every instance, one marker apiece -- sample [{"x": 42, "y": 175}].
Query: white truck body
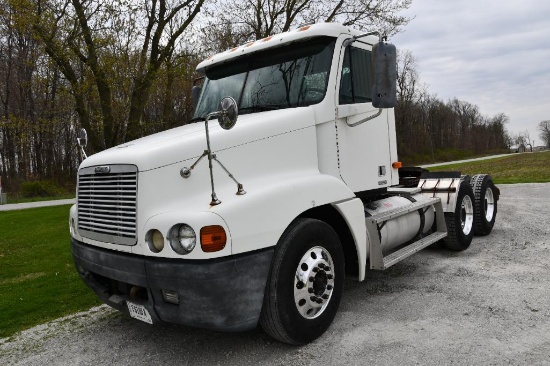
[{"x": 295, "y": 162}]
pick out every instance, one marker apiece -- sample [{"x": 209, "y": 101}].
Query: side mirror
[
  {"x": 82, "y": 138},
  {"x": 82, "y": 141},
  {"x": 384, "y": 64},
  {"x": 228, "y": 113}
]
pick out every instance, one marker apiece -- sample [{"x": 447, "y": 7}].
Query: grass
[
  {"x": 38, "y": 281},
  {"x": 442, "y": 155},
  {"x": 513, "y": 168}
]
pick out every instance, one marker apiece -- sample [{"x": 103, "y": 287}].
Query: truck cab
[{"x": 258, "y": 210}]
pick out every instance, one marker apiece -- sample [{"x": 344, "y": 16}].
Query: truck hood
[{"x": 189, "y": 141}]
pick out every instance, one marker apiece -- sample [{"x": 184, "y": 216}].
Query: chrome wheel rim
[
  {"x": 466, "y": 215},
  {"x": 489, "y": 204},
  {"x": 314, "y": 282}
]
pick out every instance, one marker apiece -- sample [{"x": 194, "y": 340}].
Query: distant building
[{"x": 518, "y": 148}]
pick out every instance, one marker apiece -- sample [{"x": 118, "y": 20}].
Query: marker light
[
  {"x": 213, "y": 238},
  {"x": 155, "y": 240},
  {"x": 171, "y": 296}
]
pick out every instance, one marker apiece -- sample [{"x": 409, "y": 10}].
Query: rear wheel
[
  {"x": 485, "y": 203},
  {"x": 460, "y": 223},
  {"x": 305, "y": 284}
]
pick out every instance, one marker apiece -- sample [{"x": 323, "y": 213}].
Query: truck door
[{"x": 363, "y": 135}]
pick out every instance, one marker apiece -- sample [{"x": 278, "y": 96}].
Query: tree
[
  {"x": 36, "y": 122},
  {"x": 409, "y": 93},
  {"x": 90, "y": 40},
  {"x": 522, "y": 140},
  {"x": 544, "y": 129},
  {"x": 497, "y": 136},
  {"x": 257, "y": 19}
]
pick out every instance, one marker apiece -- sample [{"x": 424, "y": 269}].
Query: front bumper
[{"x": 224, "y": 294}]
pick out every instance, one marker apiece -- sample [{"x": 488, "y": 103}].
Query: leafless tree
[
  {"x": 237, "y": 21},
  {"x": 90, "y": 40},
  {"x": 544, "y": 130}
]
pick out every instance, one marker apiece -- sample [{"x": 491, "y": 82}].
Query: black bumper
[{"x": 221, "y": 294}]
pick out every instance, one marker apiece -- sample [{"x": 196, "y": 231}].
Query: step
[
  {"x": 409, "y": 250},
  {"x": 400, "y": 211},
  {"x": 404, "y": 190}
]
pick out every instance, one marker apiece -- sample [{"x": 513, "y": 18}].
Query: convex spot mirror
[
  {"x": 82, "y": 138},
  {"x": 228, "y": 113},
  {"x": 384, "y": 64}
]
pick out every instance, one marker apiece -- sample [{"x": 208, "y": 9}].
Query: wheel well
[{"x": 332, "y": 217}]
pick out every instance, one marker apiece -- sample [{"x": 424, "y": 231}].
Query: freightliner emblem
[{"x": 102, "y": 169}]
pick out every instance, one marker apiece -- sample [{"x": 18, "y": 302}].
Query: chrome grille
[{"x": 107, "y": 203}]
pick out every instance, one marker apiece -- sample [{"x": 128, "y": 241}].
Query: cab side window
[{"x": 355, "y": 83}]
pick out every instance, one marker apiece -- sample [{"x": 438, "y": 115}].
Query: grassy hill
[{"x": 513, "y": 168}]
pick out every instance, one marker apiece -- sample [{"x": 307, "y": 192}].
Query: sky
[{"x": 492, "y": 53}]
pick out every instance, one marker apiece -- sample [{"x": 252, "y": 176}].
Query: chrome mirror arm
[
  {"x": 240, "y": 188},
  {"x": 82, "y": 141},
  {"x": 227, "y": 117},
  {"x": 215, "y": 201},
  {"x": 82, "y": 151}
]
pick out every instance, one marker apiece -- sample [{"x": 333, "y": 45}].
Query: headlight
[
  {"x": 183, "y": 239},
  {"x": 155, "y": 240}
]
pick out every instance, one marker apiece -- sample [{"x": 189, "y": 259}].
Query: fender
[
  {"x": 278, "y": 204},
  {"x": 353, "y": 213}
]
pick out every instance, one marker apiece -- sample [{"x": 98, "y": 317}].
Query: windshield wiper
[
  {"x": 196, "y": 119},
  {"x": 260, "y": 108}
]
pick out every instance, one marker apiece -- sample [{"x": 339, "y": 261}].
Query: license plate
[{"x": 139, "y": 312}]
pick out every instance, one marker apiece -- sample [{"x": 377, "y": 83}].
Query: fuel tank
[{"x": 402, "y": 229}]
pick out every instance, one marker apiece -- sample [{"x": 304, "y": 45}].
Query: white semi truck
[{"x": 287, "y": 182}]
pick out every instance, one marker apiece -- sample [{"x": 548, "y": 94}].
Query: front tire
[
  {"x": 485, "y": 204},
  {"x": 460, "y": 223},
  {"x": 305, "y": 284}
]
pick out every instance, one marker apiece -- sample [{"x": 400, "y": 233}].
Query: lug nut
[
  {"x": 327, "y": 268},
  {"x": 311, "y": 279},
  {"x": 315, "y": 269},
  {"x": 330, "y": 277},
  {"x": 321, "y": 265},
  {"x": 313, "y": 298},
  {"x": 300, "y": 285},
  {"x": 325, "y": 296},
  {"x": 329, "y": 287},
  {"x": 319, "y": 301}
]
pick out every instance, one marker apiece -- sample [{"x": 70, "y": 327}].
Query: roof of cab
[{"x": 308, "y": 31}]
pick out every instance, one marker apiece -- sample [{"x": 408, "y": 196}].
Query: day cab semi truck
[{"x": 287, "y": 182}]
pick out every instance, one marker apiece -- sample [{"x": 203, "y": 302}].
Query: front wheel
[
  {"x": 460, "y": 223},
  {"x": 305, "y": 283}
]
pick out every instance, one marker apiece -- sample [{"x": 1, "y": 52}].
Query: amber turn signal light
[
  {"x": 397, "y": 165},
  {"x": 213, "y": 238}
]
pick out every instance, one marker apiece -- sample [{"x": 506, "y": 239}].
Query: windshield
[{"x": 295, "y": 75}]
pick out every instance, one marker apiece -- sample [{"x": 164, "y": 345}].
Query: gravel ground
[{"x": 487, "y": 305}]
